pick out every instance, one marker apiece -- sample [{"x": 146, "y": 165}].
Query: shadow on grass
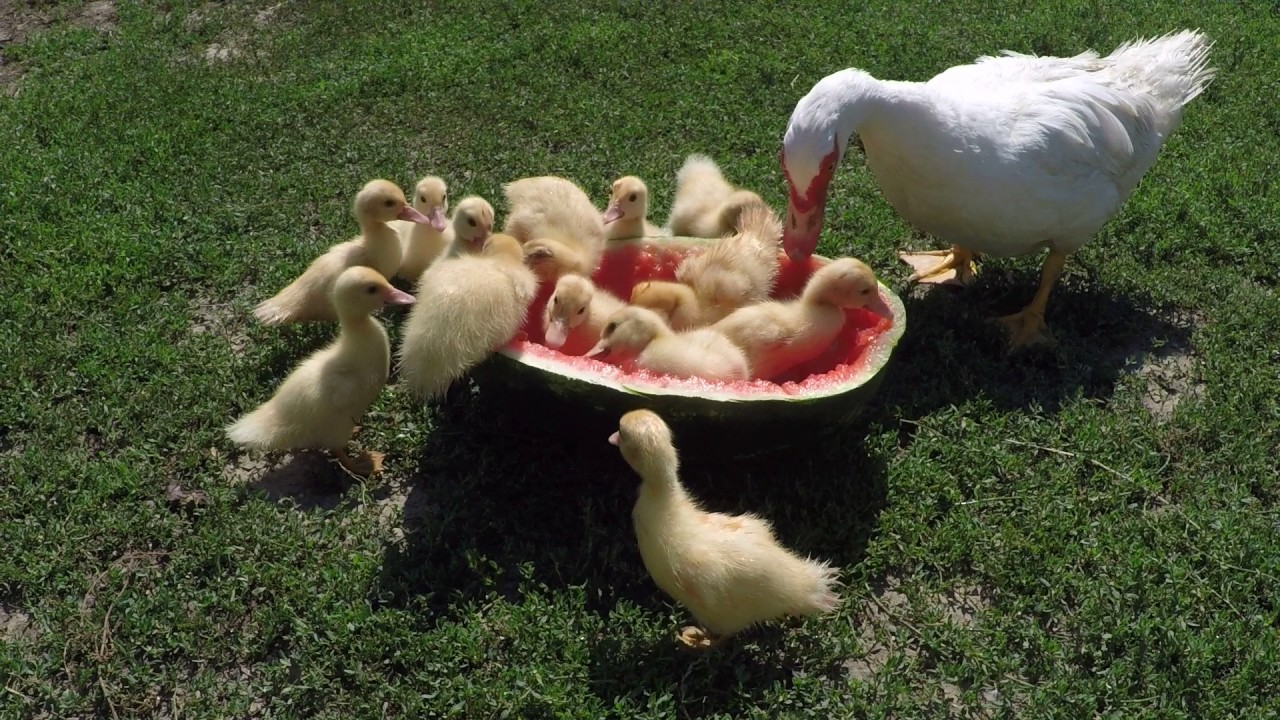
[
  {"x": 307, "y": 480},
  {"x": 953, "y": 351},
  {"x": 501, "y": 503},
  {"x": 728, "y": 681}
]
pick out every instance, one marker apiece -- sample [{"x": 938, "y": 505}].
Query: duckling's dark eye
[
  {"x": 471, "y": 222},
  {"x": 866, "y": 291},
  {"x": 389, "y": 203},
  {"x": 608, "y": 329},
  {"x": 371, "y": 289},
  {"x": 582, "y": 310},
  {"x": 423, "y": 198},
  {"x": 444, "y": 197},
  {"x": 633, "y": 197}
]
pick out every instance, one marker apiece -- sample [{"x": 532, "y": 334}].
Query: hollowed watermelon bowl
[{"x": 745, "y": 417}]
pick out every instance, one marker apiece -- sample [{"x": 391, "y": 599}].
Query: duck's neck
[
  {"x": 381, "y": 241},
  {"x": 628, "y": 227},
  {"x": 359, "y": 332},
  {"x": 423, "y": 234},
  {"x": 662, "y": 486}
]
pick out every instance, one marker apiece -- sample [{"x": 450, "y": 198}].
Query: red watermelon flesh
[{"x": 625, "y": 266}]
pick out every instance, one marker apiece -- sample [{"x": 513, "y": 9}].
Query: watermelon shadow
[{"x": 508, "y": 504}]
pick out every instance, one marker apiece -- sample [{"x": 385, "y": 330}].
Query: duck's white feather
[{"x": 1011, "y": 153}]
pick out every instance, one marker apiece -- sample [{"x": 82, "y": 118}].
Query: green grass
[{"x": 1112, "y": 563}]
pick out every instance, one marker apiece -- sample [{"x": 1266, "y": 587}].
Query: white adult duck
[{"x": 1005, "y": 156}]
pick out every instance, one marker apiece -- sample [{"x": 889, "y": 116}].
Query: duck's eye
[
  {"x": 608, "y": 329},
  {"x": 633, "y": 197},
  {"x": 389, "y": 202},
  {"x": 444, "y": 197},
  {"x": 581, "y": 310},
  {"x": 866, "y": 291},
  {"x": 471, "y": 222},
  {"x": 372, "y": 289},
  {"x": 423, "y": 198}
]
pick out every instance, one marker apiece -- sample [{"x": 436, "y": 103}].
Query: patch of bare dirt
[
  {"x": 16, "y": 626},
  {"x": 880, "y": 629},
  {"x": 308, "y": 480},
  {"x": 234, "y": 41},
  {"x": 19, "y": 20},
  {"x": 99, "y": 15},
  {"x": 1170, "y": 376},
  {"x": 402, "y": 508},
  {"x": 220, "y": 319},
  {"x": 962, "y": 606}
]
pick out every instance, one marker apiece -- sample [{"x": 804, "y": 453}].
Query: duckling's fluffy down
[{"x": 467, "y": 307}]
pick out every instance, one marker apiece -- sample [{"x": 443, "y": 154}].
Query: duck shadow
[
  {"x": 509, "y": 505},
  {"x": 727, "y": 681},
  {"x": 953, "y": 350},
  {"x": 304, "y": 480}
]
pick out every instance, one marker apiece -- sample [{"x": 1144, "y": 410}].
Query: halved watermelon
[{"x": 820, "y": 395}]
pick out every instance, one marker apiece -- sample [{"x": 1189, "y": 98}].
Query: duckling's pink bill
[
  {"x": 613, "y": 439},
  {"x": 436, "y": 219},
  {"x": 400, "y": 297},
  {"x": 879, "y": 307},
  {"x": 557, "y": 334},
  {"x": 408, "y": 213},
  {"x": 613, "y": 213},
  {"x": 599, "y": 352}
]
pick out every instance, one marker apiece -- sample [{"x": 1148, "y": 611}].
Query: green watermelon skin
[{"x": 558, "y": 395}]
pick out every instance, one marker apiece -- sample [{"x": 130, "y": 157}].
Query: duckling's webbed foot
[
  {"x": 365, "y": 464},
  {"x": 956, "y": 267},
  {"x": 696, "y": 638}
]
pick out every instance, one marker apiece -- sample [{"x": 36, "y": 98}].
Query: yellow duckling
[
  {"x": 728, "y": 570},
  {"x": 675, "y": 302},
  {"x": 576, "y": 314},
  {"x": 551, "y": 259},
  {"x": 628, "y": 211},
  {"x": 309, "y": 298},
  {"x": 778, "y": 335},
  {"x": 554, "y": 208},
  {"x": 468, "y": 307},
  {"x": 639, "y": 336},
  {"x": 705, "y": 204},
  {"x": 734, "y": 271},
  {"x": 470, "y": 227},
  {"x": 421, "y": 244},
  {"x": 318, "y": 404}
]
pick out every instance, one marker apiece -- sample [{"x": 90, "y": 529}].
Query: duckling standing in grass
[
  {"x": 468, "y": 307},
  {"x": 318, "y": 404},
  {"x": 576, "y": 314},
  {"x": 638, "y": 336},
  {"x": 422, "y": 244},
  {"x": 705, "y": 204},
  {"x": 310, "y": 297},
  {"x": 470, "y": 226},
  {"x": 734, "y": 271},
  {"x": 778, "y": 335},
  {"x": 628, "y": 211},
  {"x": 553, "y": 208},
  {"x": 728, "y": 570}
]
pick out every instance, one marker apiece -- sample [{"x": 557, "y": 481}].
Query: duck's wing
[{"x": 1011, "y": 67}]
